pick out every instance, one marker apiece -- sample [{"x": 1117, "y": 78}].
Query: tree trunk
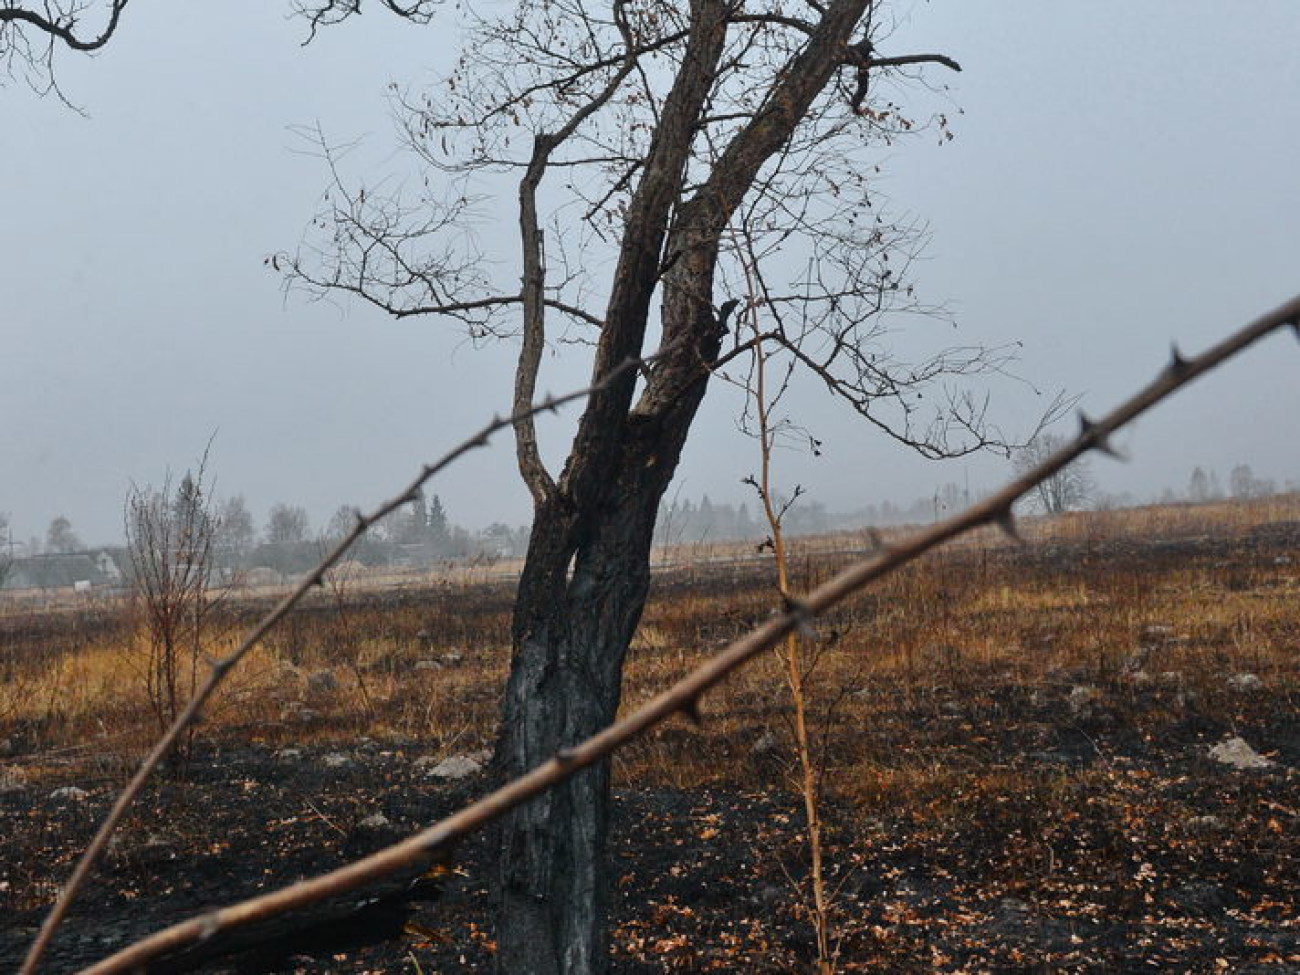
[
  {"x": 580, "y": 599},
  {"x": 587, "y": 572},
  {"x": 581, "y": 594}
]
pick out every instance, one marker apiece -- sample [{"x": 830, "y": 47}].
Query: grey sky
[{"x": 1123, "y": 176}]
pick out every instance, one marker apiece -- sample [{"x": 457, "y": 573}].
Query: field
[{"x": 1015, "y": 743}]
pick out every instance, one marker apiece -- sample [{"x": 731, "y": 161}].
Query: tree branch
[
  {"x": 701, "y": 220},
  {"x": 902, "y": 59},
  {"x": 327, "y": 13},
  {"x": 531, "y": 468},
  {"x": 637, "y": 272},
  {"x": 861, "y": 55},
  {"x": 62, "y": 26}
]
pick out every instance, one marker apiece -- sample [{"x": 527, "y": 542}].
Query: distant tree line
[
  {"x": 421, "y": 533},
  {"x": 418, "y": 534},
  {"x": 160, "y": 522},
  {"x": 1203, "y": 485}
]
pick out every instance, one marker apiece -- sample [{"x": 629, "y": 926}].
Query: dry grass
[{"x": 1176, "y": 592}]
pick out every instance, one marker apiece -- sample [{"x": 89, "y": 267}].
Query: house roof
[{"x": 55, "y": 571}]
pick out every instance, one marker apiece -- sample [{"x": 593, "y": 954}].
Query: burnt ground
[{"x": 1087, "y": 846}]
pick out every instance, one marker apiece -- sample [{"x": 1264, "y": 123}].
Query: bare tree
[
  {"x": 286, "y": 525},
  {"x": 1070, "y": 488},
  {"x": 235, "y": 533},
  {"x": 342, "y": 522},
  {"x": 649, "y": 133},
  {"x": 1243, "y": 483},
  {"x": 60, "y": 538},
  {"x": 798, "y": 653},
  {"x": 170, "y": 536},
  {"x": 1202, "y": 486}
]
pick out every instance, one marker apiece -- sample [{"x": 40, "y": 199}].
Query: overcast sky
[{"x": 1124, "y": 176}]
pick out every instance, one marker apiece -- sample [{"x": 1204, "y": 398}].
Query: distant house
[
  {"x": 79, "y": 571},
  {"x": 107, "y": 566}
]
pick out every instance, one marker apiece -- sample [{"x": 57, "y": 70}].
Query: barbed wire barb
[
  {"x": 1178, "y": 364},
  {"x": 1006, "y": 520},
  {"x": 1096, "y": 438}
]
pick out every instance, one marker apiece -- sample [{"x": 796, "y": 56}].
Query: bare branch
[
  {"x": 30, "y": 39},
  {"x": 539, "y": 481},
  {"x": 637, "y": 273},
  {"x": 863, "y": 56},
  {"x": 904, "y": 59},
  {"x": 700, "y": 221},
  {"x": 684, "y": 696},
  {"x": 327, "y": 13},
  {"x": 61, "y": 25}
]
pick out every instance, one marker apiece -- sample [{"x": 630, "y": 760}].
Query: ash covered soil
[
  {"x": 1063, "y": 825},
  {"x": 1086, "y": 849}
]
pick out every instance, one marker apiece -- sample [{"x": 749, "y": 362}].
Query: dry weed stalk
[
  {"x": 682, "y": 698},
  {"x": 768, "y": 432}
]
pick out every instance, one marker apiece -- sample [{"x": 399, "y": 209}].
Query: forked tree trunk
[
  {"x": 588, "y": 567},
  {"x": 579, "y": 603},
  {"x": 564, "y": 686}
]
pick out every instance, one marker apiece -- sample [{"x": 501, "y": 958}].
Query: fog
[{"x": 1122, "y": 178}]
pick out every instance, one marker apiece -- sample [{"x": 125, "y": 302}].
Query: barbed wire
[{"x": 684, "y": 697}]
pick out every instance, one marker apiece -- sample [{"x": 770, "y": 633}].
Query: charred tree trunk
[
  {"x": 580, "y": 599},
  {"x": 579, "y": 603},
  {"x": 572, "y": 628},
  {"x": 587, "y": 572}
]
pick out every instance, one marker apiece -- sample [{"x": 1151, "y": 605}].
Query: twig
[
  {"x": 223, "y": 666},
  {"x": 325, "y": 819},
  {"x": 684, "y": 696}
]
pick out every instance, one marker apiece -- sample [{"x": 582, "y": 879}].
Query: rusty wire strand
[{"x": 684, "y": 696}]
